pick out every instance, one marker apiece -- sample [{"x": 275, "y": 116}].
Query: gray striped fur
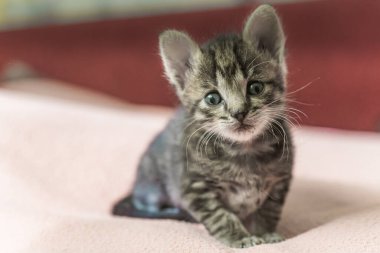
[{"x": 234, "y": 181}]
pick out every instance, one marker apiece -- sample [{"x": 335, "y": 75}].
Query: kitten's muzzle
[
  {"x": 239, "y": 115},
  {"x": 243, "y": 127}
]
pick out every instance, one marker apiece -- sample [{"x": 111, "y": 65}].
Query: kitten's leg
[
  {"x": 264, "y": 221},
  {"x": 149, "y": 198},
  {"x": 203, "y": 203}
]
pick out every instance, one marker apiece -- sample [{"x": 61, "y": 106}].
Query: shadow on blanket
[{"x": 312, "y": 203}]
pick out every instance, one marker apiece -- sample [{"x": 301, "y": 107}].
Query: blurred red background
[{"x": 335, "y": 44}]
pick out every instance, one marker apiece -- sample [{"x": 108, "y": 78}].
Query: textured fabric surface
[{"x": 66, "y": 155}]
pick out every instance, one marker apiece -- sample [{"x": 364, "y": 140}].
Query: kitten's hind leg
[
  {"x": 150, "y": 198},
  {"x": 149, "y": 201}
]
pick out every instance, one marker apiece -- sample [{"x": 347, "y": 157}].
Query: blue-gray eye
[
  {"x": 213, "y": 98},
  {"x": 255, "y": 88}
]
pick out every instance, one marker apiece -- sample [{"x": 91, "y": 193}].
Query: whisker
[
  {"x": 298, "y": 102},
  {"x": 206, "y": 140},
  {"x": 187, "y": 144},
  {"x": 283, "y": 115},
  {"x": 260, "y": 64},
  {"x": 305, "y": 86},
  {"x": 285, "y": 143},
  {"x": 297, "y": 110},
  {"x": 274, "y": 135},
  {"x": 293, "y": 113},
  {"x": 213, "y": 133},
  {"x": 249, "y": 65},
  {"x": 189, "y": 124}
]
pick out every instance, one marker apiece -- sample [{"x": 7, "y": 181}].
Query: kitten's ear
[
  {"x": 178, "y": 53},
  {"x": 263, "y": 29}
]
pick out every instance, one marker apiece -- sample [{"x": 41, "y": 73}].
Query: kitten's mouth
[
  {"x": 243, "y": 128},
  {"x": 240, "y": 132}
]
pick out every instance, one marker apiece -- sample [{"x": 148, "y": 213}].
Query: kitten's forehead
[
  {"x": 229, "y": 58},
  {"x": 226, "y": 56}
]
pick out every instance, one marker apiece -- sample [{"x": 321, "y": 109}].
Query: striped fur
[{"x": 231, "y": 176}]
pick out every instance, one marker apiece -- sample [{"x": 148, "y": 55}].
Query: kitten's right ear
[
  {"x": 178, "y": 53},
  {"x": 263, "y": 29}
]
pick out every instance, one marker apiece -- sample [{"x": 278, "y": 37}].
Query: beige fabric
[{"x": 67, "y": 154}]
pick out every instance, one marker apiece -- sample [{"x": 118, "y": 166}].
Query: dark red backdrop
[{"x": 335, "y": 41}]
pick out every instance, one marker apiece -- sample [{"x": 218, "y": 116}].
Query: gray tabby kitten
[{"x": 225, "y": 159}]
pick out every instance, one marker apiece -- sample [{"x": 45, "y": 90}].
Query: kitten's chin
[
  {"x": 239, "y": 136},
  {"x": 243, "y": 133}
]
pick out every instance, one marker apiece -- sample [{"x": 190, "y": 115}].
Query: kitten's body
[
  {"x": 241, "y": 174},
  {"x": 212, "y": 164}
]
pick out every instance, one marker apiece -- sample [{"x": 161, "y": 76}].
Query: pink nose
[{"x": 239, "y": 115}]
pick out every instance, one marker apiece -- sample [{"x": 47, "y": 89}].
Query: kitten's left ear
[
  {"x": 263, "y": 29},
  {"x": 178, "y": 53}
]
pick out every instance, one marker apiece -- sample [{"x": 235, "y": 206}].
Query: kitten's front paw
[
  {"x": 247, "y": 242},
  {"x": 272, "y": 238}
]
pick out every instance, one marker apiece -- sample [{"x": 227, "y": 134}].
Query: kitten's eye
[
  {"x": 213, "y": 98},
  {"x": 255, "y": 88}
]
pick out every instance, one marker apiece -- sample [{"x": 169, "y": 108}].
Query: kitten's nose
[{"x": 239, "y": 115}]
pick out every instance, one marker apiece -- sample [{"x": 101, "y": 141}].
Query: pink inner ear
[
  {"x": 178, "y": 50},
  {"x": 265, "y": 33},
  {"x": 178, "y": 53},
  {"x": 264, "y": 30}
]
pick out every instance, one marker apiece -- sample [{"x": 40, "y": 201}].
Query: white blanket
[{"x": 66, "y": 155}]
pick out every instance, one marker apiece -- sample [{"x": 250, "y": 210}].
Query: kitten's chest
[
  {"x": 245, "y": 196},
  {"x": 244, "y": 178}
]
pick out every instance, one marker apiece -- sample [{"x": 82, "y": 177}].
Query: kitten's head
[{"x": 234, "y": 84}]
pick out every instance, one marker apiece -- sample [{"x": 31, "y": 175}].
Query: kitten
[{"x": 225, "y": 158}]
